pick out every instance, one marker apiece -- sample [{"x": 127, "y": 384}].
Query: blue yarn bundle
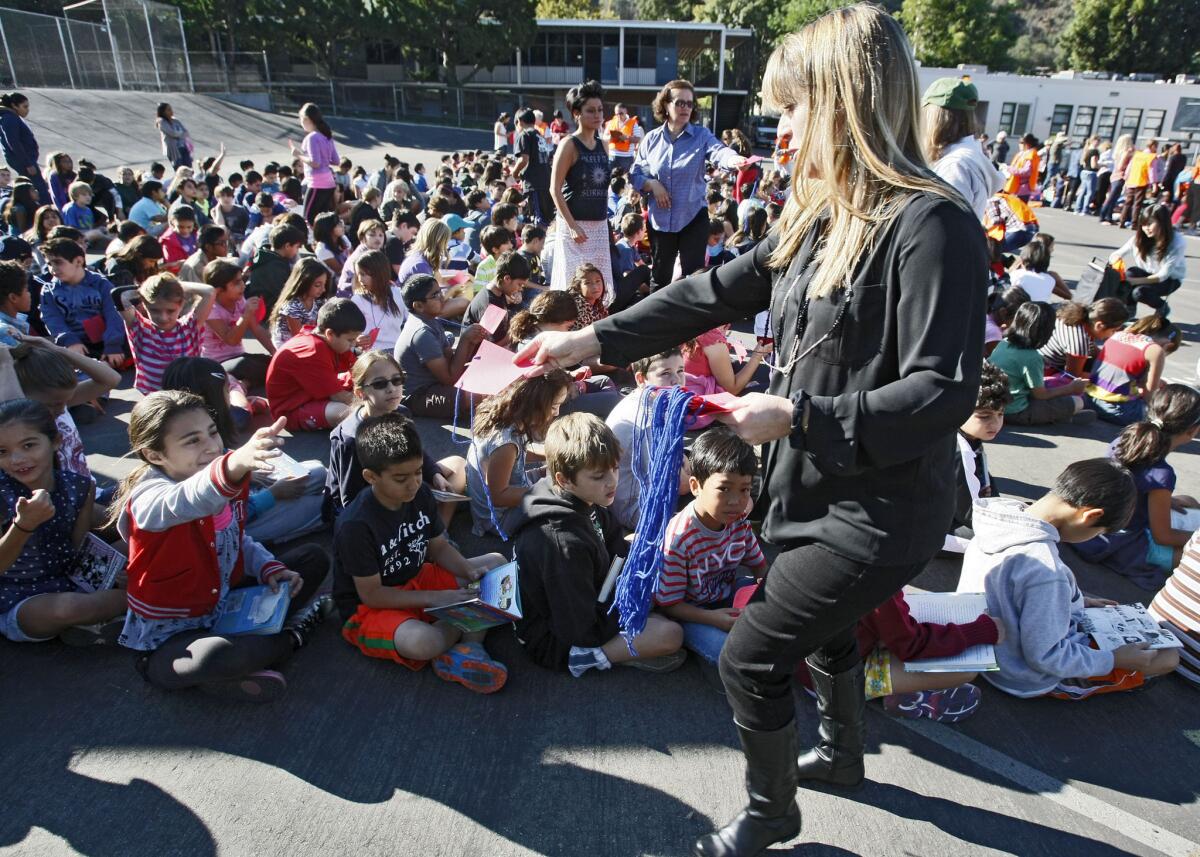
[{"x": 663, "y": 417}]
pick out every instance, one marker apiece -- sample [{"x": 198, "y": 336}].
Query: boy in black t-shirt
[
  {"x": 392, "y": 560},
  {"x": 506, "y": 292}
]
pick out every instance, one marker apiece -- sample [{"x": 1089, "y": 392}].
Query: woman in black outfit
[{"x": 875, "y": 281}]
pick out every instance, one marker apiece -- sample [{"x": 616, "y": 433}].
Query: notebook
[{"x": 944, "y": 608}]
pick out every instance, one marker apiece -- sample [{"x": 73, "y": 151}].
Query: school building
[{"x": 1084, "y": 103}]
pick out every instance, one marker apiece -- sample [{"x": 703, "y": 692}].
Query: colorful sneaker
[
  {"x": 470, "y": 665},
  {"x": 100, "y": 634},
  {"x": 261, "y": 686},
  {"x": 944, "y": 706}
]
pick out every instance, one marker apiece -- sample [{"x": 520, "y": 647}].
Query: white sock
[{"x": 598, "y": 660}]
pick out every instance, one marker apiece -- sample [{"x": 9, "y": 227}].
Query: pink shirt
[
  {"x": 323, "y": 154},
  {"x": 211, "y": 345},
  {"x": 696, "y": 363}
]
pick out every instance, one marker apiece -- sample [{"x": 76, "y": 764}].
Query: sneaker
[
  {"x": 944, "y": 706},
  {"x": 305, "y": 621},
  {"x": 1084, "y": 417},
  {"x": 261, "y": 686},
  {"x": 470, "y": 665},
  {"x": 662, "y": 664},
  {"x": 100, "y": 634}
]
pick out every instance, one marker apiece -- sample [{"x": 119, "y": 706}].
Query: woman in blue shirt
[
  {"x": 669, "y": 172},
  {"x": 20, "y": 146}
]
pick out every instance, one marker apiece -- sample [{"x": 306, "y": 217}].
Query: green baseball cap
[{"x": 952, "y": 93}]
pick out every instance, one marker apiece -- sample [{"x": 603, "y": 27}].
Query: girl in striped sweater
[{"x": 157, "y": 334}]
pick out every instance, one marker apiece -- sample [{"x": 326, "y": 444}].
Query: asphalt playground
[{"x": 363, "y": 757}]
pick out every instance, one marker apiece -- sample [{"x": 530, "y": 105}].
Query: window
[
  {"x": 1061, "y": 120},
  {"x": 640, "y": 50},
  {"x": 1131, "y": 120},
  {"x": 1014, "y": 118},
  {"x": 1107, "y": 128},
  {"x": 1154, "y": 122},
  {"x": 1084, "y": 117}
]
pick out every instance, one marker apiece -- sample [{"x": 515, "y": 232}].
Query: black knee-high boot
[
  {"x": 838, "y": 757},
  {"x": 772, "y": 814}
]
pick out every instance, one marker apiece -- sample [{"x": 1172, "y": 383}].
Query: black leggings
[
  {"x": 809, "y": 604},
  {"x": 200, "y": 656},
  {"x": 317, "y": 200},
  {"x": 688, "y": 244}
]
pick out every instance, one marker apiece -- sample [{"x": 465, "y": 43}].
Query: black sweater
[
  {"x": 873, "y": 478},
  {"x": 563, "y": 564}
]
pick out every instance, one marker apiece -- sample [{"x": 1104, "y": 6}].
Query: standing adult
[
  {"x": 176, "y": 142},
  {"x": 669, "y": 172},
  {"x": 875, "y": 280},
  {"x": 951, "y": 147},
  {"x": 1000, "y": 149},
  {"x": 1176, "y": 162},
  {"x": 1138, "y": 182},
  {"x": 618, "y": 133},
  {"x": 1022, "y": 173},
  {"x": 533, "y": 166},
  {"x": 1089, "y": 174},
  {"x": 1123, "y": 154},
  {"x": 579, "y": 186},
  {"x": 500, "y": 135},
  {"x": 319, "y": 155},
  {"x": 20, "y": 146}
]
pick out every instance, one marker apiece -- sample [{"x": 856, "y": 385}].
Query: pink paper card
[
  {"x": 752, "y": 160},
  {"x": 739, "y": 348},
  {"x": 455, "y": 278},
  {"x": 493, "y": 318},
  {"x": 716, "y": 403},
  {"x": 491, "y": 370}
]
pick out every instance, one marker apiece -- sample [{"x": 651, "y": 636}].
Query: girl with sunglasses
[{"x": 378, "y": 388}]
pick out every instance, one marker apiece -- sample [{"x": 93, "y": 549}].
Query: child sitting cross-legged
[
  {"x": 157, "y": 334},
  {"x": 505, "y": 291},
  {"x": 393, "y": 560},
  {"x": 1033, "y": 403},
  {"x": 709, "y": 550},
  {"x": 183, "y": 512},
  {"x": 308, "y": 381},
  {"x": 566, "y": 539},
  {"x": 1014, "y": 560},
  {"x": 77, "y": 307}
]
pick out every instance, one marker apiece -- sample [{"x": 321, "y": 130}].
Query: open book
[
  {"x": 944, "y": 608},
  {"x": 1118, "y": 625},
  {"x": 252, "y": 610},
  {"x": 498, "y": 602},
  {"x": 97, "y": 565}
]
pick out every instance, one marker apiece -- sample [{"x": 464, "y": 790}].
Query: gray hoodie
[{"x": 1014, "y": 559}]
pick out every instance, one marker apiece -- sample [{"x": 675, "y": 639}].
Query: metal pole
[
  {"x": 187, "y": 61},
  {"x": 66, "y": 56},
  {"x": 621, "y": 58},
  {"x": 396, "y": 101},
  {"x": 332, "y": 99},
  {"x": 153, "y": 53},
  {"x": 75, "y": 53},
  {"x": 459, "y": 100},
  {"x": 8, "y": 54},
  {"x": 113, "y": 43},
  {"x": 518, "y": 67},
  {"x": 721, "y": 63}
]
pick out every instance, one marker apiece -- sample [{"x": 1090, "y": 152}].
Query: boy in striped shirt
[
  {"x": 709, "y": 547},
  {"x": 157, "y": 334}
]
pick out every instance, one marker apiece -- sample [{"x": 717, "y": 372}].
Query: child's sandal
[{"x": 261, "y": 686}]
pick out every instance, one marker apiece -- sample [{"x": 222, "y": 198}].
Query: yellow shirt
[{"x": 1138, "y": 174}]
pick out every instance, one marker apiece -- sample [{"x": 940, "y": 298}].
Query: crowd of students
[{"x": 370, "y": 294}]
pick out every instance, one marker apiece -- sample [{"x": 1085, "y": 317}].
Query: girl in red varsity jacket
[{"x": 183, "y": 513}]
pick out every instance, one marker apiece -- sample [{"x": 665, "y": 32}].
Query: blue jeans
[
  {"x": 708, "y": 640},
  {"x": 1087, "y": 189},
  {"x": 1121, "y": 413}
]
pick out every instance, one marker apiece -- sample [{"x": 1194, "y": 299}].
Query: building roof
[{"x": 613, "y": 23}]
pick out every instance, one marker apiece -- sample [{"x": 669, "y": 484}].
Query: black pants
[
  {"x": 809, "y": 604},
  {"x": 195, "y": 657},
  {"x": 437, "y": 401},
  {"x": 1151, "y": 294},
  {"x": 318, "y": 200},
  {"x": 688, "y": 244},
  {"x": 248, "y": 368},
  {"x": 541, "y": 205}
]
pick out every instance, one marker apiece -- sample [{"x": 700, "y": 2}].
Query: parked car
[{"x": 761, "y": 130}]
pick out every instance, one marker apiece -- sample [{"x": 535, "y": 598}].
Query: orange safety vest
[
  {"x": 1138, "y": 173},
  {"x": 1014, "y": 181},
  {"x": 615, "y": 125},
  {"x": 1022, "y": 211}
]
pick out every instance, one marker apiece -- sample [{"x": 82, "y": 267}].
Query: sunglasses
[
  {"x": 381, "y": 384},
  {"x": 684, "y": 105}
]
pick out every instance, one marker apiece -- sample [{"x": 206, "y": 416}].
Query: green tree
[
  {"x": 1127, "y": 36},
  {"x": 948, "y": 32},
  {"x": 568, "y": 9}
]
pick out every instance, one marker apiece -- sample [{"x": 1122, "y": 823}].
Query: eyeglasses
[
  {"x": 684, "y": 105},
  {"x": 382, "y": 384}
]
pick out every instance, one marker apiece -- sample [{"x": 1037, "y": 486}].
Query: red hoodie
[{"x": 305, "y": 369}]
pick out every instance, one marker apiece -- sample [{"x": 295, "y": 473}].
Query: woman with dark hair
[
  {"x": 319, "y": 156},
  {"x": 20, "y": 208},
  {"x": 874, "y": 278},
  {"x": 1022, "y": 173},
  {"x": 176, "y": 142},
  {"x": 579, "y": 187},
  {"x": 500, "y": 135},
  {"x": 1155, "y": 259},
  {"x": 60, "y": 173},
  {"x": 669, "y": 171},
  {"x": 951, "y": 147},
  {"x": 19, "y": 144}
]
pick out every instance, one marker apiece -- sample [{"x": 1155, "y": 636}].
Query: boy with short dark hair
[
  {"x": 308, "y": 379},
  {"x": 506, "y": 291},
  {"x": 506, "y": 216},
  {"x": 630, "y": 271},
  {"x": 1014, "y": 560},
  {"x": 77, "y": 306},
  {"x": 15, "y": 302},
  {"x": 235, "y": 218},
  {"x": 709, "y": 547},
  {"x": 496, "y": 241},
  {"x": 972, "y": 477},
  {"x": 566, "y": 541},
  {"x": 403, "y": 229},
  {"x": 392, "y": 560},
  {"x": 533, "y": 241},
  {"x": 251, "y": 187},
  {"x": 271, "y": 267},
  {"x": 270, "y": 180}
]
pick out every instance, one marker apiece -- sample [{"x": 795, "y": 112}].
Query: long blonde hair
[
  {"x": 1124, "y": 144},
  {"x": 433, "y": 242},
  {"x": 852, "y": 69}
]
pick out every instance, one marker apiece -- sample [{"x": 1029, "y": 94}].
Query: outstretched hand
[
  {"x": 256, "y": 453},
  {"x": 554, "y": 350}
]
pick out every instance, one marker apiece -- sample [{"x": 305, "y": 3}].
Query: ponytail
[
  {"x": 1171, "y": 411},
  {"x": 11, "y": 100}
]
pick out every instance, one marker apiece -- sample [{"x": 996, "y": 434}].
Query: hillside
[{"x": 1042, "y": 21}]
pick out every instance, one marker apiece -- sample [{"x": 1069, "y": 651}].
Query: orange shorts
[
  {"x": 372, "y": 630},
  {"x": 1081, "y": 688},
  {"x": 309, "y": 417}
]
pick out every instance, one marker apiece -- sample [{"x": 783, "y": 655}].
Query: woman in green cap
[{"x": 951, "y": 147}]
